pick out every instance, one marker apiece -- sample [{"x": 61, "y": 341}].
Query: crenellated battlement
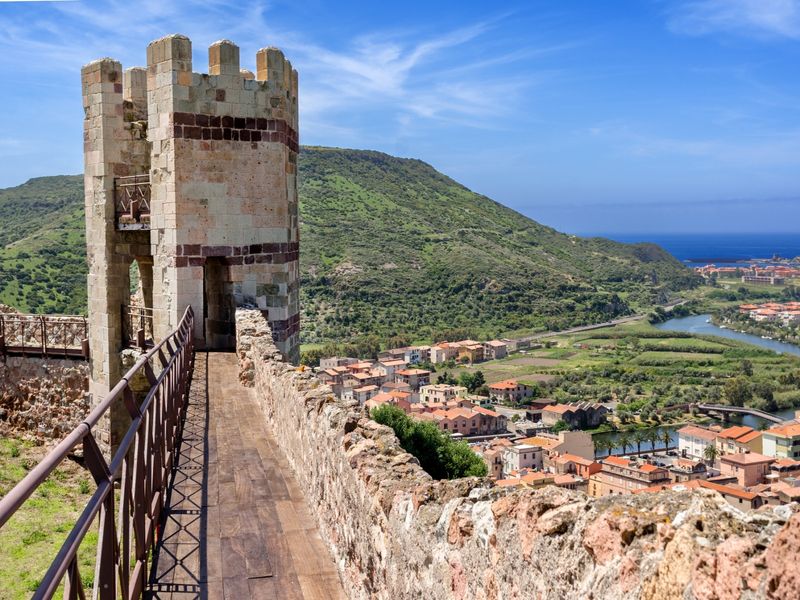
[
  {"x": 227, "y": 89},
  {"x": 169, "y": 82}
]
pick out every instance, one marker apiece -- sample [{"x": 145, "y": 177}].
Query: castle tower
[{"x": 192, "y": 177}]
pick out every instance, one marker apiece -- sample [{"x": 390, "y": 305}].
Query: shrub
[{"x": 438, "y": 454}]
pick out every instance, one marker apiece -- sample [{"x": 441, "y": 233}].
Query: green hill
[
  {"x": 389, "y": 246},
  {"x": 42, "y": 246}
]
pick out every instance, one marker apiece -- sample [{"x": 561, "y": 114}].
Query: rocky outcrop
[
  {"x": 397, "y": 534},
  {"x": 42, "y": 398}
]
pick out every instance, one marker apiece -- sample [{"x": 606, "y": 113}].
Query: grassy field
[
  {"x": 644, "y": 368},
  {"x": 31, "y": 539}
]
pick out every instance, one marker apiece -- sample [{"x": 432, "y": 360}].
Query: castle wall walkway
[{"x": 237, "y": 523}]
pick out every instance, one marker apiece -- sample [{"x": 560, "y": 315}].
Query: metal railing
[
  {"x": 141, "y": 467},
  {"x": 137, "y": 326},
  {"x": 44, "y": 335},
  {"x": 132, "y": 201}
]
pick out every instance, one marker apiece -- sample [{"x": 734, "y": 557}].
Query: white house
[
  {"x": 521, "y": 456},
  {"x": 693, "y": 440}
]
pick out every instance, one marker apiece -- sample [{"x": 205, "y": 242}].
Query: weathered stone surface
[
  {"x": 397, "y": 534},
  {"x": 42, "y": 398}
]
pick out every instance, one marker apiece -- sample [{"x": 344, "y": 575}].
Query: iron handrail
[
  {"x": 141, "y": 465},
  {"x": 44, "y": 335}
]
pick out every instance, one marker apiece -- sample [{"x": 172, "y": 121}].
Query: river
[{"x": 701, "y": 324}]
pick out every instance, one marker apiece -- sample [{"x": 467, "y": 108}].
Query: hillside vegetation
[
  {"x": 42, "y": 246},
  {"x": 389, "y": 246},
  {"x": 392, "y": 246}
]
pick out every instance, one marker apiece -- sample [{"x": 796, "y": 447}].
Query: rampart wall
[
  {"x": 42, "y": 398},
  {"x": 396, "y": 534}
]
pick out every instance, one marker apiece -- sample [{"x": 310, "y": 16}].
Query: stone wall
[
  {"x": 397, "y": 534},
  {"x": 42, "y": 398}
]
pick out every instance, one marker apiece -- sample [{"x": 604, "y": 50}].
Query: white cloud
[
  {"x": 453, "y": 76},
  {"x": 757, "y": 18}
]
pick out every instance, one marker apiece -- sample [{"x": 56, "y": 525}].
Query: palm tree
[
  {"x": 602, "y": 444},
  {"x": 653, "y": 437},
  {"x": 623, "y": 441},
  {"x": 666, "y": 437},
  {"x": 710, "y": 453},
  {"x": 638, "y": 438}
]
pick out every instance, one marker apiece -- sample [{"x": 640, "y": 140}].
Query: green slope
[
  {"x": 389, "y": 246},
  {"x": 42, "y": 246}
]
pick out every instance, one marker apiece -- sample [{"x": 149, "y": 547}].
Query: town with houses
[
  {"x": 786, "y": 313},
  {"x": 756, "y": 274},
  {"x": 749, "y": 468}
]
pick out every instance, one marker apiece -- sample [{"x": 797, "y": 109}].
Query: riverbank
[
  {"x": 704, "y": 325},
  {"x": 731, "y": 319}
]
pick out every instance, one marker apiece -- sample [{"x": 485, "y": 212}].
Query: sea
[{"x": 697, "y": 249}]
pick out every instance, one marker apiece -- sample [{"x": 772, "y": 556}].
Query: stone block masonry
[
  {"x": 215, "y": 156},
  {"x": 396, "y": 534}
]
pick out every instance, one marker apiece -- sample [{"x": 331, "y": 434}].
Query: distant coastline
[{"x": 722, "y": 249}]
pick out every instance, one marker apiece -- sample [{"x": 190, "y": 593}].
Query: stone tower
[{"x": 193, "y": 177}]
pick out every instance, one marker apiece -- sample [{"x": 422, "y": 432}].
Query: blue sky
[{"x": 590, "y": 116}]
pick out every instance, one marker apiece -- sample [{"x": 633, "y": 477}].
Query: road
[{"x": 582, "y": 328}]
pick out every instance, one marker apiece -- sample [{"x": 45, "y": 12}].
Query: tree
[
  {"x": 653, "y": 437},
  {"x": 602, "y": 444},
  {"x": 747, "y": 367},
  {"x": 446, "y": 378},
  {"x": 478, "y": 380},
  {"x": 666, "y": 437},
  {"x": 465, "y": 380},
  {"x": 398, "y": 341},
  {"x": 472, "y": 381},
  {"x": 437, "y": 453},
  {"x": 560, "y": 425},
  {"x": 738, "y": 392},
  {"x": 623, "y": 441},
  {"x": 639, "y": 438},
  {"x": 710, "y": 453}
]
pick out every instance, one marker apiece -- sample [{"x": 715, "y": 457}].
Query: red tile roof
[
  {"x": 508, "y": 384},
  {"x": 735, "y": 432},
  {"x": 789, "y": 430},
  {"x": 561, "y": 409},
  {"x": 699, "y": 432},
  {"x": 749, "y": 437},
  {"x": 565, "y": 458},
  {"x": 746, "y": 458}
]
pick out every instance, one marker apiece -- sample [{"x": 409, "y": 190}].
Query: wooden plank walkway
[{"x": 237, "y": 525}]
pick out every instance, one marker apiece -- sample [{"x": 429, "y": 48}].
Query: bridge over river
[
  {"x": 198, "y": 500},
  {"x": 724, "y": 409}
]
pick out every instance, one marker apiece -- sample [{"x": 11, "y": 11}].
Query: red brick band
[
  {"x": 197, "y": 126},
  {"x": 194, "y": 255}
]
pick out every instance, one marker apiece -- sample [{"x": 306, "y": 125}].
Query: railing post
[{"x": 44, "y": 335}]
